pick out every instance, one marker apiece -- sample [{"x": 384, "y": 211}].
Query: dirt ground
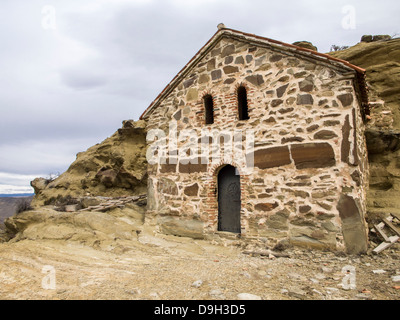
[{"x": 171, "y": 268}]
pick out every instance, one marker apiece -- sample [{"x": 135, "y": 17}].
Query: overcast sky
[{"x": 72, "y": 71}]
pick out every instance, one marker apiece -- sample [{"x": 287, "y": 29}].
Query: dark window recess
[
  {"x": 242, "y": 103},
  {"x": 209, "y": 109}
]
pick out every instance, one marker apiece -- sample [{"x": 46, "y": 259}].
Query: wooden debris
[
  {"x": 112, "y": 203},
  {"x": 378, "y": 229},
  {"x": 388, "y": 240},
  {"x": 391, "y": 226},
  {"x": 385, "y": 245},
  {"x": 396, "y": 215}
]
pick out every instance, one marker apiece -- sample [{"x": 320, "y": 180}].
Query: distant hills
[
  {"x": 9, "y": 204},
  {"x": 16, "y": 195}
]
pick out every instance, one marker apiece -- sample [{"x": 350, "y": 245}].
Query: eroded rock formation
[
  {"x": 116, "y": 167},
  {"x": 380, "y": 56}
]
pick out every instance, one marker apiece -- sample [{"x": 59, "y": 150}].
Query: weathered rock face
[
  {"x": 384, "y": 183},
  {"x": 381, "y": 60},
  {"x": 39, "y": 184},
  {"x": 305, "y": 123},
  {"x": 115, "y": 167},
  {"x": 380, "y": 56},
  {"x": 88, "y": 227},
  {"x": 371, "y": 38},
  {"x": 181, "y": 227}
]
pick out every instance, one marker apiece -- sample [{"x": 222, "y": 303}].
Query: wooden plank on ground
[
  {"x": 396, "y": 215},
  {"x": 391, "y": 226},
  {"x": 381, "y": 233},
  {"x": 385, "y": 245}
]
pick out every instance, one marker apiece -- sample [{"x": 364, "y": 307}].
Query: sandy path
[{"x": 167, "y": 267}]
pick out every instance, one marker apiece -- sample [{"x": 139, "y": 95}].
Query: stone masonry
[{"x": 302, "y": 161}]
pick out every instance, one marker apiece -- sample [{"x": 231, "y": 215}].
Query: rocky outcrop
[
  {"x": 305, "y": 44},
  {"x": 123, "y": 220},
  {"x": 381, "y": 59},
  {"x": 39, "y": 184},
  {"x": 384, "y": 162},
  {"x": 380, "y": 56},
  {"x": 371, "y": 38},
  {"x": 116, "y": 167}
]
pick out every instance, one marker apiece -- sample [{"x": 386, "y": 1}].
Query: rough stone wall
[{"x": 310, "y": 171}]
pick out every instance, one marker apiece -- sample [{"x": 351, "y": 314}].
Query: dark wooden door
[{"x": 229, "y": 203}]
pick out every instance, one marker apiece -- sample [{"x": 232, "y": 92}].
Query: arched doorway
[{"x": 229, "y": 202}]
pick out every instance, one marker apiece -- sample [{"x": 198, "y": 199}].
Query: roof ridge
[
  {"x": 324, "y": 55},
  {"x": 223, "y": 30}
]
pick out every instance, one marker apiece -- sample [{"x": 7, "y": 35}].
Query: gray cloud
[{"x": 83, "y": 79}]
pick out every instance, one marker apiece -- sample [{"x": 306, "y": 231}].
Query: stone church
[{"x": 258, "y": 139}]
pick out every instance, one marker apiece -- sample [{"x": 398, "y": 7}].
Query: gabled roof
[{"x": 258, "y": 40}]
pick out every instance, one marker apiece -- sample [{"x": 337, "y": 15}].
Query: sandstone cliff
[
  {"x": 100, "y": 198},
  {"x": 381, "y": 59},
  {"x": 114, "y": 168}
]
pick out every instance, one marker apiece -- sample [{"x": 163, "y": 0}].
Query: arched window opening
[
  {"x": 242, "y": 103},
  {"x": 209, "y": 109}
]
